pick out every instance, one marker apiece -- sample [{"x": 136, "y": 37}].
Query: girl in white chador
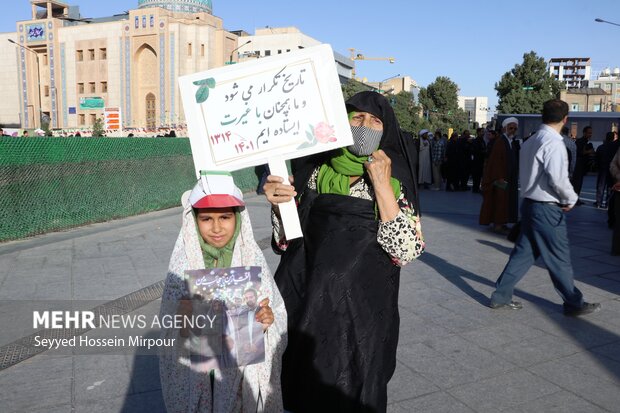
[{"x": 217, "y": 233}]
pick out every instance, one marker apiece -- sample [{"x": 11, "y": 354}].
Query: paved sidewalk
[{"x": 455, "y": 354}]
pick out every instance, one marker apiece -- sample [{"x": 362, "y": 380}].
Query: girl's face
[{"x": 216, "y": 225}]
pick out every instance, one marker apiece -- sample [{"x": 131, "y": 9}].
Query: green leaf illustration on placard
[
  {"x": 203, "y": 91},
  {"x": 208, "y": 82},
  {"x": 306, "y": 145},
  {"x": 311, "y": 139},
  {"x": 202, "y": 94}
]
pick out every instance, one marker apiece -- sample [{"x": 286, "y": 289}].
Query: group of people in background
[
  {"x": 452, "y": 160},
  {"x": 87, "y": 133},
  {"x": 491, "y": 161}
]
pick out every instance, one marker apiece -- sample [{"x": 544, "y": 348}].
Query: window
[
  {"x": 288, "y": 50},
  {"x": 103, "y": 53},
  {"x": 80, "y": 87},
  {"x": 91, "y": 54},
  {"x": 82, "y": 119},
  {"x": 202, "y": 50},
  {"x": 574, "y": 107},
  {"x": 44, "y": 59},
  {"x": 104, "y": 87},
  {"x": 267, "y": 52},
  {"x": 93, "y": 118},
  {"x": 46, "y": 90},
  {"x": 79, "y": 55},
  {"x": 189, "y": 49},
  {"x": 279, "y": 51},
  {"x": 91, "y": 87}
]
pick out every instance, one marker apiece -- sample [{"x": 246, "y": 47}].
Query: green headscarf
[
  {"x": 218, "y": 257},
  {"x": 334, "y": 176}
]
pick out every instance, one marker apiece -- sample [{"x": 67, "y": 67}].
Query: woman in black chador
[{"x": 358, "y": 208}]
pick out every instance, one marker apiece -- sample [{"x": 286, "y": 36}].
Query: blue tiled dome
[{"x": 186, "y": 6}]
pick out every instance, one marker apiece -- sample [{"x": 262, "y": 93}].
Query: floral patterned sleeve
[
  {"x": 402, "y": 237},
  {"x": 281, "y": 244}
]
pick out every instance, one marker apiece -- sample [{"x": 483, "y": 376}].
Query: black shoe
[
  {"x": 513, "y": 305},
  {"x": 587, "y": 308}
]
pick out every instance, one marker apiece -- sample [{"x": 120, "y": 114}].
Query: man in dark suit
[
  {"x": 478, "y": 152},
  {"x": 585, "y": 152}
]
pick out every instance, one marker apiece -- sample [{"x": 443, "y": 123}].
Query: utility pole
[{"x": 230, "y": 61}]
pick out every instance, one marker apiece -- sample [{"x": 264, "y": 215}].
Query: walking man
[{"x": 547, "y": 194}]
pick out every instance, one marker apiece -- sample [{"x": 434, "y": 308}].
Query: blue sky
[{"x": 472, "y": 42}]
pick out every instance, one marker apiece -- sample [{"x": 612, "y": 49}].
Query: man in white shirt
[{"x": 547, "y": 193}]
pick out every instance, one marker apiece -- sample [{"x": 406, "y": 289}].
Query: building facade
[
  {"x": 65, "y": 71},
  {"x": 477, "y": 107},
  {"x": 272, "y": 41},
  {"x": 609, "y": 81},
  {"x": 587, "y": 99},
  {"x": 574, "y": 71},
  {"x": 70, "y": 69}
]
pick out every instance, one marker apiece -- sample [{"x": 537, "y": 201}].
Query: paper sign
[
  {"x": 284, "y": 107},
  {"x": 266, "y": 111}
]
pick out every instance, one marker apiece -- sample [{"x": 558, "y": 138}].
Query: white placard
[
  {"x": 266, "y": 111},
  {"x": 283, "y": 107}
]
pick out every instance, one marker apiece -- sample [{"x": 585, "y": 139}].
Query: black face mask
[{"x": 365, "y": 140}]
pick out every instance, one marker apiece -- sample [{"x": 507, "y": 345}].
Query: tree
[
  {"x": 527, "y": 86},
  {"x": 441, "y": 107},
  {"x": 407, "y": 112},
  {"x": 98, "y": 128},
  {"x": 352, "y": 87}
]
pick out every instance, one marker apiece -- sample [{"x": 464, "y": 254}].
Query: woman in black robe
[{"x": 358, "y": 209}]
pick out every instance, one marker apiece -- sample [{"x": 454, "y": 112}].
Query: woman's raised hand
[
  {"x": 379, "y": 167},
  {"x": 277, "y": 191}
]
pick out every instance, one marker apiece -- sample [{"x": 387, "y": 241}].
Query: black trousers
[{"x": 615, "y": 238}]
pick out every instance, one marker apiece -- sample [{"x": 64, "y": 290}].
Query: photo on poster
[{"x": 229, "y": 298}]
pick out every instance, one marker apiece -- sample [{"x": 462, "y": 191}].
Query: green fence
[{"x": 50, "y": 184}]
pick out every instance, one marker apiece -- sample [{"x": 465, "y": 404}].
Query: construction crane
[{"x": 360, "y": 56}]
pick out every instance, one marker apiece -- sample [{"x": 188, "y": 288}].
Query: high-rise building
[
  {"x": 574, "y": 71},
  {"x": 476, "y": 107}
]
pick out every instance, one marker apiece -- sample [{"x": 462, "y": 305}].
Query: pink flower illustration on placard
[
  {"x": 324, "y": 133},
  {"x": 321, "y": 132}
]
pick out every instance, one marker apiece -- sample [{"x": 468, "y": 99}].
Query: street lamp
[
  {"x": 605, "y": 21},
  {"x": 234, "y": 50},
  {"x": 38, "y": 76},
  {"x": 381, "y": 83}
]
